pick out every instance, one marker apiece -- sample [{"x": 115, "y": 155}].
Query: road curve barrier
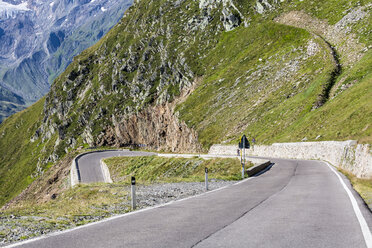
[
  {"x": 105, "y": 172},
  {"x": 74, "y": 174},
  {"x": 258, "y": 167}
]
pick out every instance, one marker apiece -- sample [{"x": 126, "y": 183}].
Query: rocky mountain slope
[
  {"x": 38, "y": 39},
  {"x": 182, "y": 75}
]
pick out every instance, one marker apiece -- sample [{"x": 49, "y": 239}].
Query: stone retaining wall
[
  {"x": 347, "y": 155},
  {"x": 255, "y": 161}
]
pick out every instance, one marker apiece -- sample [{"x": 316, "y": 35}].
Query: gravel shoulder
[{"x": 15, "y": 228}]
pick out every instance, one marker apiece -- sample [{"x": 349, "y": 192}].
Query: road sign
[{"x": 244, "y": 143}]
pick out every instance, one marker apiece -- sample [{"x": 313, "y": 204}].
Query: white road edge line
[
  {"x": 121, "y": 216},
  {"x": 362, "y": 222}
]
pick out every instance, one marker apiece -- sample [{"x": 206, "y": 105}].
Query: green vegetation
[
  {"x": 228, "y": 103},
  {"x": 74, "y": 207},
  {"x": 347, "y": 116},
  {"x": 163, "y": 170},
  {"x": 362, "y": 186},
  {"x": 82, "y": 200},
  {"x": 19, "y": 156},
  {"x": 331, "y": 10},
  {"x": 244, "y": 92},
  {"x": 103, "y": 199}
]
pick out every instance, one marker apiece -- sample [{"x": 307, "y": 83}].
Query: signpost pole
[
  {"x": 243, "y": 164},
  {"x": 206, "y": 179},
  {"x": 243, "y": 144},
  {"x": 133, "y": 193}
]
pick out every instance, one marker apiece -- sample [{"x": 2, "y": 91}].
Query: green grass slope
[
  {"x": 244, "y": 92},
  {"x": 347, "y": 116},
  {"x": 155, "y": 169},
  {"x": 19, "y": 157}
]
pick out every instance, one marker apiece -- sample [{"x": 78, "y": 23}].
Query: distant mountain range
[{"x": 38, "y": 39}]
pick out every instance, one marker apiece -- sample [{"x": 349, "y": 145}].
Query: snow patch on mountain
[{"x": 8, "y": 10}]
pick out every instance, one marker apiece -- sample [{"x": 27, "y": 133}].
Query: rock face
[
  {"x": 157, "y": 127},
  {"x": 38, "y": 39}
]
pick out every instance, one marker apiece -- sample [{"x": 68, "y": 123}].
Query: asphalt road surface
[
  {"x": 90, "y": 169},
  {"x": 294, "y": 204}
]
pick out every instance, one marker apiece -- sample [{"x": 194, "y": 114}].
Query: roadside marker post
[
  {"x": 133, "y": 192},
  {"x": 206, "y": 179},
  {"x": 243, "y": 144}
]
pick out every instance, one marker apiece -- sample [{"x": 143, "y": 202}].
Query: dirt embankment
[{"x": 47, "y": 187}]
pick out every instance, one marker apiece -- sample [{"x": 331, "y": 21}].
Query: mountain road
[
  {"x": 294, "y": 204},
  {"x": 89, "y": 164}
]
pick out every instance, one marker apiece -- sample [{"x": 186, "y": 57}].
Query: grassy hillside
[
  {"x": 160, "y": 170},
  {"x": 290, "y": 71},
  {"x": 267, "y": 88},
  {"x": 20, "y": 158},
  {"x": 221, "y": 112}
]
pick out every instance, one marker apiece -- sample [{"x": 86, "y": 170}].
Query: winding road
[
  {"x": 89, "y": 164},
  {"x": 294, "y": 204}
]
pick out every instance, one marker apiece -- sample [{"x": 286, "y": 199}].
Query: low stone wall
[
  {"x": 74, "y": 174},
  {"x": 255, "y": 161},
  {"x": 358, "y": 160},
  {"x": 105, "y": 172},
  {"x": 347, "y": 155}
]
